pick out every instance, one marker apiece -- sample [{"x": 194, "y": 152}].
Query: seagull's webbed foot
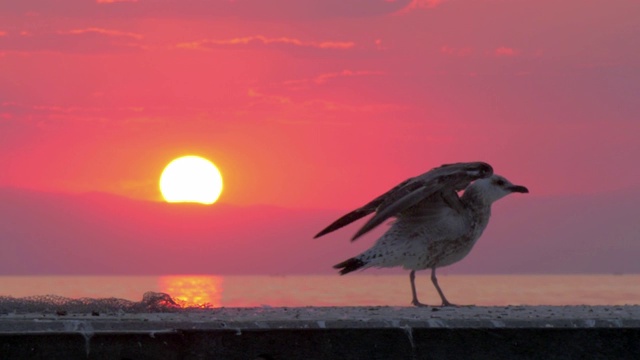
[
  {"x": 417, "y": 303},
  {"x": 448, "y": 304}
]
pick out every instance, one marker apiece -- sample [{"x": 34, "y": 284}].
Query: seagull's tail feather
[{"x": 349, "y": 265}]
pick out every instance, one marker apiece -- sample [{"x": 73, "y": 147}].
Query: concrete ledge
[{"x": 329, "y": 333}]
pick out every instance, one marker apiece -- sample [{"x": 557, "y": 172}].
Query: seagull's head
[{"x": 496, "y": 187}]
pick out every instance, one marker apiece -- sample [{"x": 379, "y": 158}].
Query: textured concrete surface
[{"x": 328, "y": 333}]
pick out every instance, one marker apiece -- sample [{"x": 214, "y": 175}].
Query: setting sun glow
[
  {"x": 191, "y": 179},
  {"x": 194, "y": 290}
]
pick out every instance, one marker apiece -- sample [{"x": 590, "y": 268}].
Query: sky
[{"x": 319, "y": 104}]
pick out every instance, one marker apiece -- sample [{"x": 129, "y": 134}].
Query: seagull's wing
[
  {"x": 442, "y": 214},
  {"x": 442, "y": 182},
  {"x": 398, "y": 191}
]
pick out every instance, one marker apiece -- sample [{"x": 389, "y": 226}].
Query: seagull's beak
[{"x": 519, "y": 189}]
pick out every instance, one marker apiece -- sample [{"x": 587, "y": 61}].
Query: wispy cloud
[
  {"x": 452, "y": 51},
  {"x": 501, "y": 51},
  {"x": 113, "y": 1},
  {"x": 418, "y": 5},
  {"x": 261, "y": 40},
  {"x": 506, "y": 51},
  {"x": 79, "y": 40},
  {"x": 274, "y": 99},
  {"x": 314, "y": 105},
  {"x": 324, "y": 78},
  {"x": 102, "y": 31},
  {"x": 320, "y": 79},
  {"x": 306, "y": 83},
  {"x": 271, "y": 10}
]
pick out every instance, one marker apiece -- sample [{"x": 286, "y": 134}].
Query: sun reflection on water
[{"x": 193, "y": 290}]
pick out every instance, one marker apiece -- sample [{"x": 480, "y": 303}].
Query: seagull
[
  {"x": 434, "y": 226},
  {"x": 444, "y": 181}
]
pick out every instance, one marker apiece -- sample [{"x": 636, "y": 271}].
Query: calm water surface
[{"x": 332, "y": 290}]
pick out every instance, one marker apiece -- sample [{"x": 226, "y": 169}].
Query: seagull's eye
[{"x": 500, "y": 182}]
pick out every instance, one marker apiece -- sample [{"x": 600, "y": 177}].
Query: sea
[{"x": 333, "y": 290}]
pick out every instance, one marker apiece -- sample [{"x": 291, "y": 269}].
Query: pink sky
[
  {"x": 318, "y": 104},
  {"x": 301, "y": 102}
]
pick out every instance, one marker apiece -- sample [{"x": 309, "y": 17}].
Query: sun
[{"x": 191, "y": 179}]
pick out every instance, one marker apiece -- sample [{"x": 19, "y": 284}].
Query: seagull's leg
[
  {"x": 414, "y": 302},
  {"x": 434, "y": 280}
]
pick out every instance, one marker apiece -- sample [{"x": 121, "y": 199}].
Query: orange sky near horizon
[{"x": 318, "y": 104}]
